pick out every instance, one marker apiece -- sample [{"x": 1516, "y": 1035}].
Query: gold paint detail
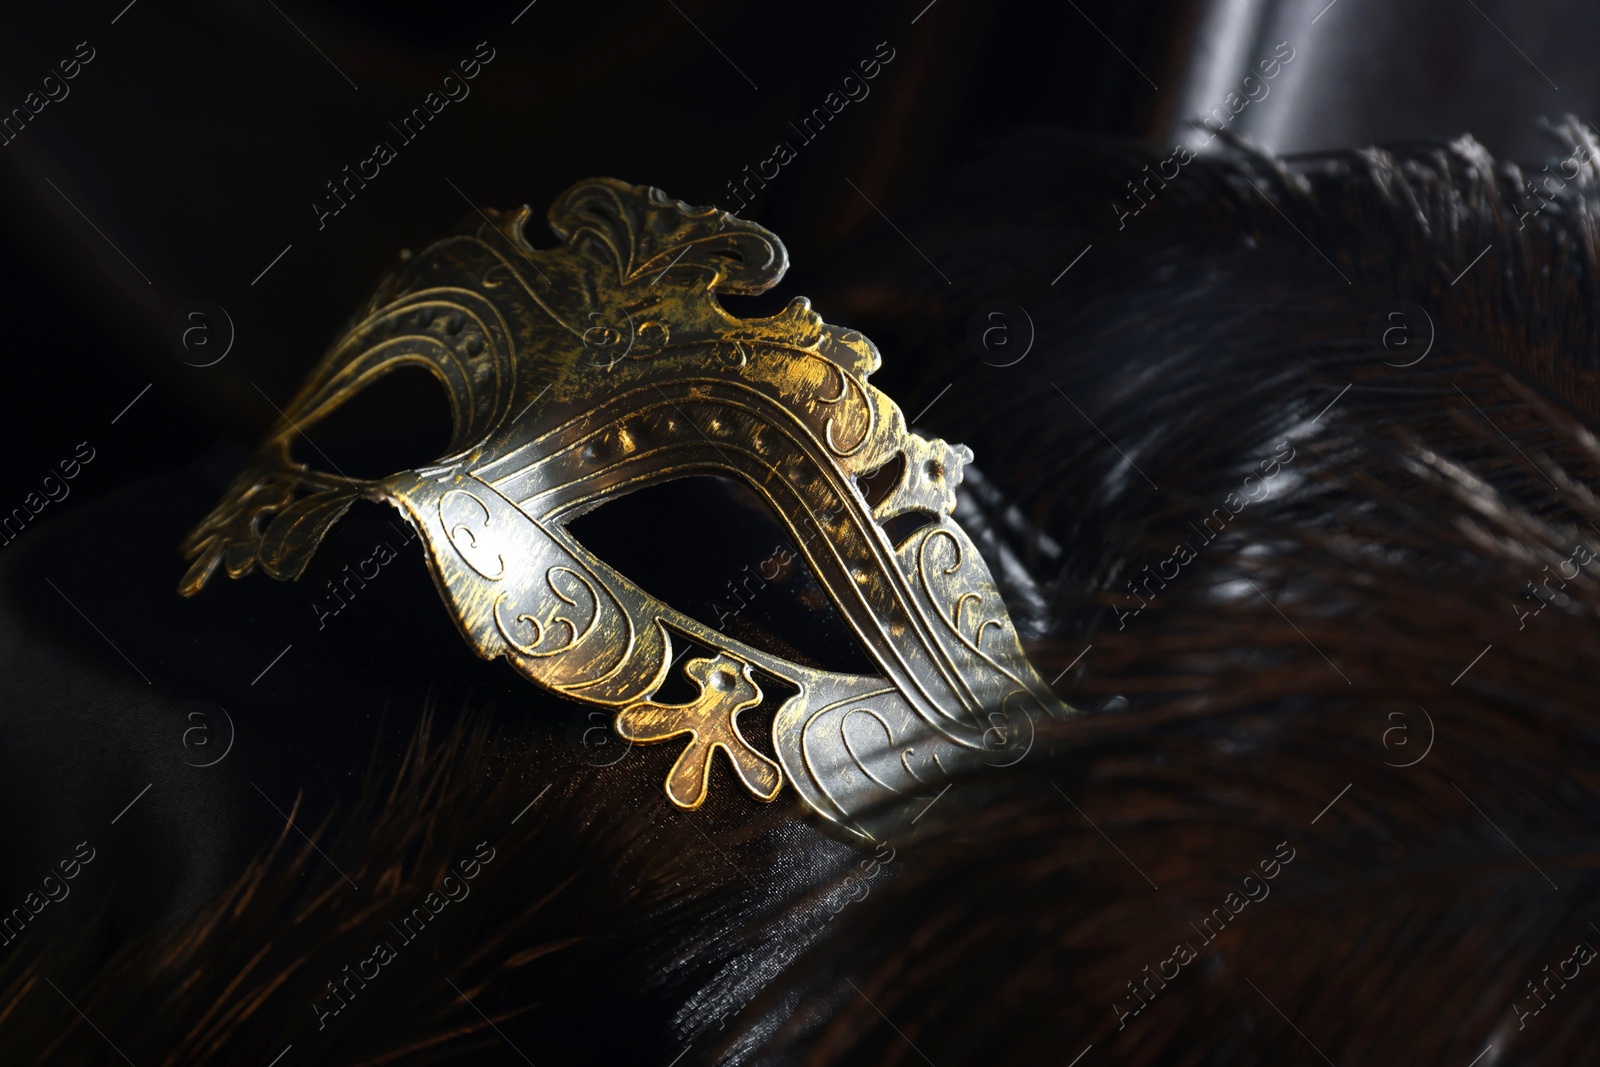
[
  {"x": 604, "y": 364},
  {"x": 711, "y": 721}
]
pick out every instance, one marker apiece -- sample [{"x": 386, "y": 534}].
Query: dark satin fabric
[
  {"x": 129, "y": 686},
  {"x": 102, "y": 666}
]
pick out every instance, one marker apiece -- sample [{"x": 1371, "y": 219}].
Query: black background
[
  {"x": 199, "y": 136},
  {"x": 191, "y": 149}
]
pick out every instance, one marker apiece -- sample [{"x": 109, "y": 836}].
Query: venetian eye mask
[{"x": 605, "y": 365}]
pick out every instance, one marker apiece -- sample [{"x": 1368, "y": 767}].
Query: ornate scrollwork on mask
[{"x": 588, "y": 370}]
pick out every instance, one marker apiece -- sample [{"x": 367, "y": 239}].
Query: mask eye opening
[
  {"x": 712, "y": 548},
  {"x": 399, "y": 421}
]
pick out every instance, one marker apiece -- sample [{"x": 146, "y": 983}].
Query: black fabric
[
  {"x": 1240, "y": 712},
  {"x": 98, "y": 697}
]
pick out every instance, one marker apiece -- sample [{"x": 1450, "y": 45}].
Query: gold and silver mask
[{"x": 604, "y": 365}]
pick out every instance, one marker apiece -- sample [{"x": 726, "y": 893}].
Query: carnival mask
[{"x": 590, "y": 370}]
